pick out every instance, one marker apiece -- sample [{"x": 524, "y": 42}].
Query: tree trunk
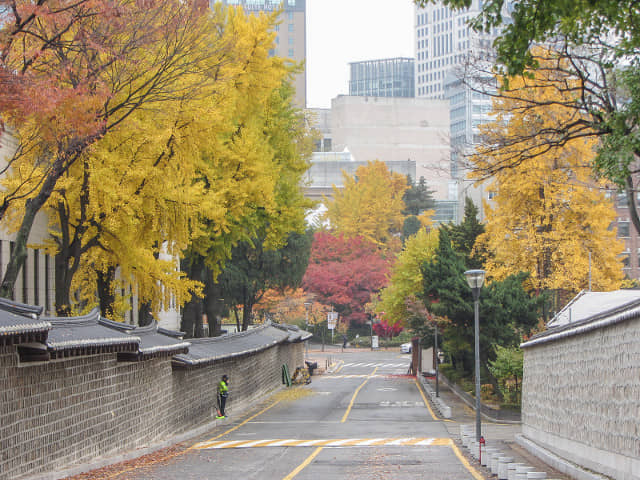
[
  {"x": 247, "y": 310},
  {"x": 63, "y": 286},
  {"x": 19, "y": 254},
  {"x": 192, "y": 313},
  {"x": 145, "y": 315},
  {"x": 235, "y": 312},
  {"x": 213, "y": 305},
  {"x": 106, "y": 294},
  {"x": 633, "y": 207}
]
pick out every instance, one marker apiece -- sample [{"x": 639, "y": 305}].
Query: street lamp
[{"x": 475, "y": 279}]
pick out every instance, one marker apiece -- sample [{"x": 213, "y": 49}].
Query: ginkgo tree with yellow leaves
[
  {"x": 549, "y": 215},
  {"x": 202, "y": 164},
  {"x": 406, "y": 276},
  {"x": 369, "y": 205}
]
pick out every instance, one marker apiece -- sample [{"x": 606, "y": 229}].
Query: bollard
[
  {"x": 493, "y": 466},
  {"x": 511, "y": 470},
  {"x": 473, "y": 449},
  {"x": 486, "y": 455},
  {"x": 502, "y": 467},
  {"x": 521, "y": 472},
  {"x": 536, "y": 475}
]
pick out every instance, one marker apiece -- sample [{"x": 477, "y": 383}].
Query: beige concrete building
[{"x": 394, "y": 130}]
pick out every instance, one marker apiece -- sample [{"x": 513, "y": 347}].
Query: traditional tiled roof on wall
[
  {"x": 593, "y": 311},
  {"x": 19, "y": 323},
  {"x": 295, "y": 333},
  {"x": 72, "y": 336},
  {"x": 204, "y": 351},
  {"x": 153, "y": 343}
]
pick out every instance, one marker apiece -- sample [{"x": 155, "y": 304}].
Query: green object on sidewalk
[{"x": 286, "y": 378}]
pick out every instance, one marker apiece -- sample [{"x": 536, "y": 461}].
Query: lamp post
[
  {"x": 475, "y": 279},
  {"x": 435, "y": 349}
]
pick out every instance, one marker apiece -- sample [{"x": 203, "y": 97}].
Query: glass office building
[{"x": 391, "y": 77}]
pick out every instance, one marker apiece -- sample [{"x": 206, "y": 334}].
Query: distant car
[{"x": 405, "y": 348}]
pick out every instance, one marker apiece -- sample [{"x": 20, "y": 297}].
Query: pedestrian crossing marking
[
  {"x": 379, "y": 365},
  {"x": 346, "y": 442},
  {"x": 355, "y": 375}
]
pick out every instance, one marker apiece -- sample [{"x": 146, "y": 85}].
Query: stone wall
[
  {"x": 64, "y": 412},
  {"x": 581, "y": 398}
]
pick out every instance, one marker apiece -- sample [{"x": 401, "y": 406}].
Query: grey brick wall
[
  {"x": 581, "y": 398},
  {"x": 63, "y": 412}
]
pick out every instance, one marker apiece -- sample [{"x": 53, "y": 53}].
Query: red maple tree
[
  {"x": 387, "y": 330},
  {"x": 345, "y": 272}
]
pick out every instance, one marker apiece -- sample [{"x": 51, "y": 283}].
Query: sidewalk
[{"x": 499, "y": 435}]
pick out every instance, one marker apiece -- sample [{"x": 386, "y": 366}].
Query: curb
[
  {"x": 557, "y": 462},
  {"x": 443, "y": 409}
]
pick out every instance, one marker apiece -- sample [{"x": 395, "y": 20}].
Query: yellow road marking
[
  {"x": 300, "y": 467},
  {"x": 353, "y": 399},
  {"x": 466, "y": 464},
  {"x": 339, "y": 368},
  {"x": 236, "y": 427},
  {"x": 426, "y": 402}
]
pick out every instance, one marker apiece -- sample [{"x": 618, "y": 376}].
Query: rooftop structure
[{"x": 389, "y": 77}]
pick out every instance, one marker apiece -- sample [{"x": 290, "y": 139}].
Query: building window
[
  {"x": 623, "y": 201},
  {"x": 625, "y": 257},
  {"x": 291, "y": 27},
  {"x": 291, "y": 52},
  {"x": 623, "y": 228}
]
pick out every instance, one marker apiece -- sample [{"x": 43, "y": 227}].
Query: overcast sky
[{"x": 343, "y": 31}]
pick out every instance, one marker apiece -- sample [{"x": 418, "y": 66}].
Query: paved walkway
[{"x": 499, "y": 435}]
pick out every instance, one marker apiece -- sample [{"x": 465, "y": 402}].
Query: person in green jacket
[{"x": 223, "y": 393}]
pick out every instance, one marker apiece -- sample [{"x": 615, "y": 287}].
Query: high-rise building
[
  {"x": 291, "y": 39},
  {"x": 445, "y": 47},
  {"x": 444, "y": 41},
  {"x": 389, "y": 77}
]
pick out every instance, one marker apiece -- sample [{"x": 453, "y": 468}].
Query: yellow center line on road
[
  {"x": 353, "y": 399},
  {"x": 303, "y": 465},
  {"x": 466, "y": 464}
]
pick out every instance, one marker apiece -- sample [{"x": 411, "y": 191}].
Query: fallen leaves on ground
[{"x": 116, "y": 471}]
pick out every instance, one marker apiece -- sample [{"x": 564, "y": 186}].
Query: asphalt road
[{"x": 367, "y": 420}]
